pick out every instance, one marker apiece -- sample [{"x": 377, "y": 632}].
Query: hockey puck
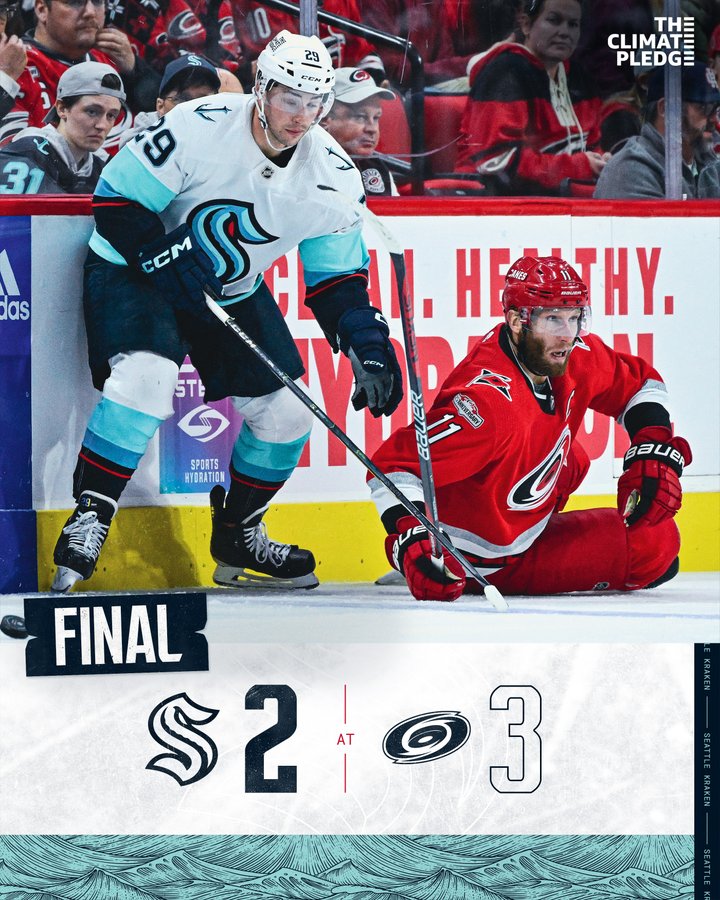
[{"x": 13, "y": 626}]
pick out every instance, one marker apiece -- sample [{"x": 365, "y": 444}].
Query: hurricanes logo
[
  {"x": 203, "y": 423},
  {"x": 222, "y": 227},
  {"x": 184, "y": 26},
  {"x": 426, "y": 737},
  {"x": 193, "y": 754},
  {"x": 535, "y": 488},
  {"x": 492, "y": 379}
]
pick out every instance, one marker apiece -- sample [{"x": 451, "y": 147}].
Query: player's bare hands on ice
[
  {"x": 649, "y": 489},
  {"x": 410, "y": 553}
]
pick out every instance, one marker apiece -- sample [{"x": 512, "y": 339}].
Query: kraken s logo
[
  {"x": 426, "y": 737},
  {"x": 222, "y": 227},
  {"x": 193, "y": 754},
  {"x": 203, "y": 423},
  {"x": 534, "y": 489}
]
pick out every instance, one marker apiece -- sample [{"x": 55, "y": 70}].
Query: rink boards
[{"x": 650, "y": 272}]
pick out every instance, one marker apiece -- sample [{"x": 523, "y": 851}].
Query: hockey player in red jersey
[{"x": 505, "y": 460}]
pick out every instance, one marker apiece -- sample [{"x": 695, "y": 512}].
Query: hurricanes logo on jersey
[
  {"x": 534, "y": 489},
  {"x": 222, "y": 227},
  {"x": 492, "y": 379}
]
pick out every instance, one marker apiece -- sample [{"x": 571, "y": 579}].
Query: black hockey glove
[
  {"x": 180, "y": 269},
  {"x": 363, "y": 336}
]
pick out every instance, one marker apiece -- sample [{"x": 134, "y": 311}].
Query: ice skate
[
  {"x": 81, "y": 540},
  {"x": 246, "y": 557}
]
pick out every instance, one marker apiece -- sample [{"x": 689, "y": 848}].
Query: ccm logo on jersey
[
  {"x": 467, "y": 408},
  {"x": 167, "y": 256}
]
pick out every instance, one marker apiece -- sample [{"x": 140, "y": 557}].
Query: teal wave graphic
[{"x": 346, "y": 867}]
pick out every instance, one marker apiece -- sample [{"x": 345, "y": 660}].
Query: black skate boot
[
  {"x": 81, "y": 540},
  {"x": 246, "y": 557}
]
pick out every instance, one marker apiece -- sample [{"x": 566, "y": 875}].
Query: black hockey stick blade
[
  {"x": 13, "y": 626},
  {"x": 492, "y": 594}
]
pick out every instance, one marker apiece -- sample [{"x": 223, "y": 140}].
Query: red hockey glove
[
  {"x": 409, "y": 552},
  {"x": 649, "y": 488}
]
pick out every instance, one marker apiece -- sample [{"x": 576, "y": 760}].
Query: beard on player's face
[{"x": 548, "y": 356}]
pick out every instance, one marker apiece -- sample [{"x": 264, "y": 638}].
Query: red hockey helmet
[{"x": 534, "y": 284}]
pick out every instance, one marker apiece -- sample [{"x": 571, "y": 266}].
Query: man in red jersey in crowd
[
  {"x": 69, "y": 32},
  {"x": 505, "y": 461}
]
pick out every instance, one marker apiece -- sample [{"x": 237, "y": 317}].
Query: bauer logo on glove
[{"x": 649, "y": 489}]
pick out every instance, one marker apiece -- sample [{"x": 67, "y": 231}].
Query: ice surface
[{"x": 685, "y": 609}]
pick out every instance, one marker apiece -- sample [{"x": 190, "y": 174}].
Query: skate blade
[
  {"x": 64, "y": 579},
  {"x": 391, "y": 577},
  {"x": 230, "y": 576}
]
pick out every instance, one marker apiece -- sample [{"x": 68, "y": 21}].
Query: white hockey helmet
[{"x": 298, "y": 62}]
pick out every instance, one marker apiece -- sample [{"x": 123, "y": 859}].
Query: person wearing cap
[
  {"x": 69, "y": 32},
  {"x": 186, "y": 78},
  {"x": 65, "y": 155},
  {"x": 13, "y": 58},
  {"x": 637, "y": 172},
  {"x": 354, "y": 122}
]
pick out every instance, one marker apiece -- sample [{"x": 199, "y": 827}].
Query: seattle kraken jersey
[{"x": 200, "y": 164}]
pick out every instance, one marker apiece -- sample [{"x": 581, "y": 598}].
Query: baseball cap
[
  {"x": 89, "y": 78},
  {"x": 355, "y": 85},
  {"x": 182, "y": 64},
  {"x": 697, "y": 84}
]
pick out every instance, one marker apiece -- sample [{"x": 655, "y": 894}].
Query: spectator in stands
[
  {"x": 637, "y": 172},
  {"x": 354, "y": 122},
  {"x": 13, "y": 58},
  {"x": 69, "y": 32},
  {"x": 714, "y": 59},
  {"x": 65, "y": 155},
  {"x": 256, "y": 24},
  {"x": 185, "y": 78},
  {"x": 422, "y": 23},
  {"x": 530, "y": 124}
]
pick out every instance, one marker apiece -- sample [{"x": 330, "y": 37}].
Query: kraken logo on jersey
[
  {"x": 222, "y": 227},
  {"x": 534, "y": 489},
  {"x": 193, "y": 754}
]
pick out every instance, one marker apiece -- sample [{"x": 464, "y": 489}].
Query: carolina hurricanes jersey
[
  {"x": 200, "y": 164},
  {"x": 497, "y": 448},
  {"x": 38, "y": 91},
  {"x": 256, "y": 24}
]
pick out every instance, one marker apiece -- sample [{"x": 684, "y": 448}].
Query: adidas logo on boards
[{"x": 11, "y": 310}]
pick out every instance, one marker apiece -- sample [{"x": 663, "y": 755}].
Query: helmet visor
[
  {"x": 575, "y": 321},
  {"x": 298, "y": 103}
]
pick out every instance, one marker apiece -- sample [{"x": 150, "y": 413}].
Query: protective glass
[
  {"x": 296, "y": 103},
  {"x": 563, "y": 321}
]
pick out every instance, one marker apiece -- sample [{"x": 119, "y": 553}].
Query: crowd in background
[{"x": 535, "y": 101}]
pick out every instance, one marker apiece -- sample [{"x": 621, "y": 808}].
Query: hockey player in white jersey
[{"x": 211, "y": 196}]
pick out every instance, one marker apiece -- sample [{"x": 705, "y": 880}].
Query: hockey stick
[
  {"x": 417, "y": 403},
  {"x": 492, "y": 594}
]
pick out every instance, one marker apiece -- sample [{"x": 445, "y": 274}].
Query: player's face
[
  {"x": 87, "y": 123},
  {"x": 290, "y": 114},
  {"x": 546, "y": 344},
  {"x": 71, "y": 24},
  {"x": 355, "y": 126},
  {"x": 554, "y": 34}
]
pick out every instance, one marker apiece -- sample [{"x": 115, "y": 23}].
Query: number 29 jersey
[{"x": 200, "y": 164}]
